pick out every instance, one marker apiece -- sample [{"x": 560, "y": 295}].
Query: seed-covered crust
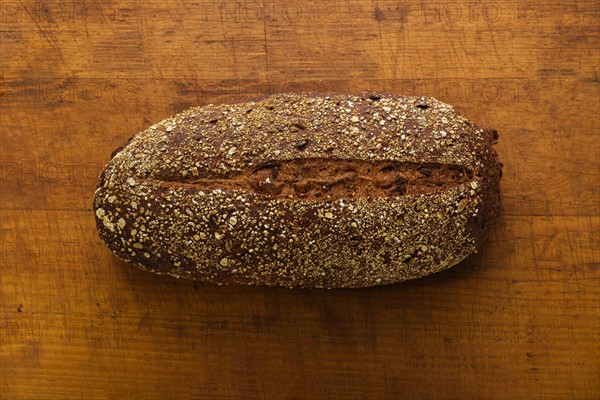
[{"x": 302, "y": 190}]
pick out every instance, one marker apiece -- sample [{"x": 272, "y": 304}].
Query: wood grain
[{"x": 520, "y": 319}]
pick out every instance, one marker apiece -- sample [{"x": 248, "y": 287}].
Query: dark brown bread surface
[{"x": 302, "y": 191}]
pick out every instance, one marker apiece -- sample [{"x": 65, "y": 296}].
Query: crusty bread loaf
[{"x": 302, "y": 191}]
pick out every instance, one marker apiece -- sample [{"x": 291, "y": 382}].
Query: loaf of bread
[{"x": 302, "y": 190}]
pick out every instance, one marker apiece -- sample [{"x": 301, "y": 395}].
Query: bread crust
[{"x": 302, "y": 190}]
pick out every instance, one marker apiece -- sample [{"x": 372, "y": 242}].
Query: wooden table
[{"x": 520, "y": 319}]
